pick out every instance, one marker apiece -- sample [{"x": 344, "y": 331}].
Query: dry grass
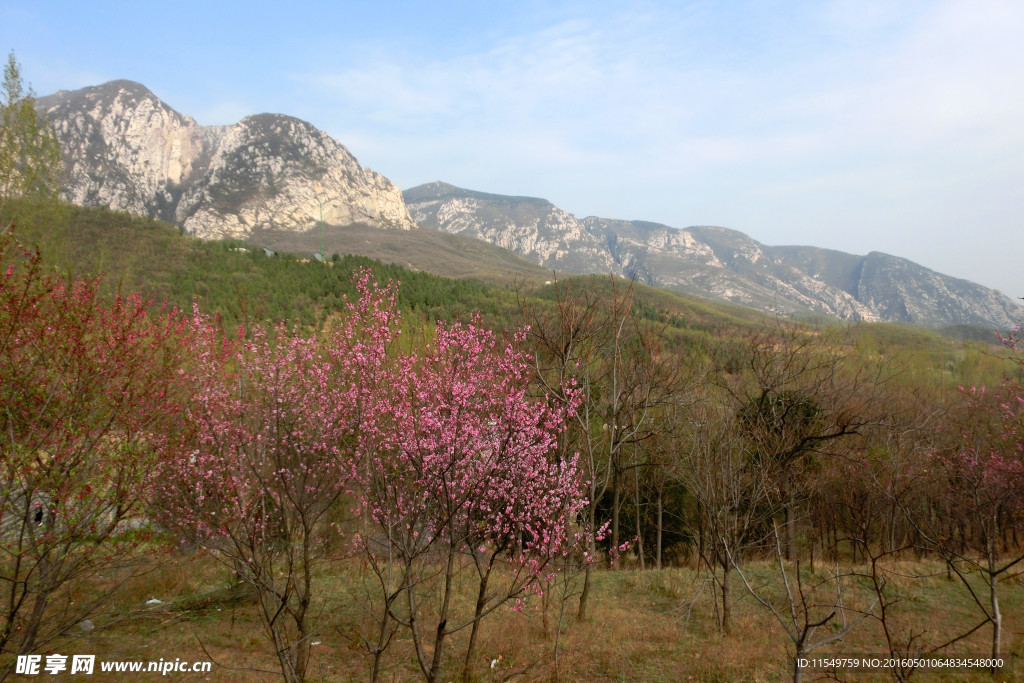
[{"x": 643, "y": 626}]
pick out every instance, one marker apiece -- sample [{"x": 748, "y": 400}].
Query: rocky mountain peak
[
  {"x": 128, "y": 150},
  {"x": 122, "y": 90}
]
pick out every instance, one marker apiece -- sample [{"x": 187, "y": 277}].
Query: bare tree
[
  {"x": 796, "y": 397},
  {"x": 801, "y": 617},
  {"x": 731, "y": 488},
  {"x": 600, "y": 346}
]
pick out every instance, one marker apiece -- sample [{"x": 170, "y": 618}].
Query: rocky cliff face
[
  {"x": 535, "y": 228},
  {"x": 127, "y": 150},
  {"x": 715, "y": 262}
]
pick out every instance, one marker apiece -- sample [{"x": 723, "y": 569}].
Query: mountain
[
  {"x": 273, "y": 179},
  {"x": 128, "y": 150},
  {"x": 715, "y": 262}
]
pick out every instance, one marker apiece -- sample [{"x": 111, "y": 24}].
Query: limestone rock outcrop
[
  {"x": 127, "y": 150},
  {"x": 715, "y": 262}
]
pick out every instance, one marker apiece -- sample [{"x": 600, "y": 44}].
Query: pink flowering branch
[
  {"x": 464, "y": 465},
  {"x": 85, "y": 384},
  {"x": 275, "y": 426},
  {"x": 984, "y": 474}
]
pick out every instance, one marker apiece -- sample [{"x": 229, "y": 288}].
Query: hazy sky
[{"x": 855, "y": 125}]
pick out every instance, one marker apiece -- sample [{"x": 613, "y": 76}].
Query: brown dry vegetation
[{"x": 643, "y": 626}]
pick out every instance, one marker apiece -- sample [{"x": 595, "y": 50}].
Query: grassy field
[{"x": 642, "y": 626}]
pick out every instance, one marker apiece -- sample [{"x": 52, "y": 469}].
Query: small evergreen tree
[{"x": 30, "y": 160}]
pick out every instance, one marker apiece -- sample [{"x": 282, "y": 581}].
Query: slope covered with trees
[
  {"x": 301, "y": 439},
  {"x": 676, "y": 432}
]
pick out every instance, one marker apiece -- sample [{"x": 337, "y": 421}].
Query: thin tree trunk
[
  {"x": 382, "y": 639},
  {"x": 616, "y": 505},
  {"x": 302, "y": 650},
  {"x": 700, "y": 532},
  {"x": 726, "y": 607},
  {"x": 581, "y": 612},
  {"x": 997, "y": 616},
  {"x": 414, "y": 626},
  {"x": 481, "y": 602},
  {"x": 442, "y": 623},
  {"x": 790, "y": 534},
  {"x": 302, "y": 645},
  {"x": 993, "y": 591},
  {"x": 657, "y": 560},
  {"x": 44, "y": 567},
  {"x": 639, "y": 521}
]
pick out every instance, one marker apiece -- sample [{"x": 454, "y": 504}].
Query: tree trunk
[
  {"x": 382, "y": 639},
  {"x": 302, "y": 650},
  {"x": 726, "y": 607},
  {"x": 993, "y": 592},
  {"x": 414, "y": 626},
  {"x": 639, "y": 524},
  {"x": 997, "y": 616},
  {"x": 301, "y": 647},
  {"x": 481, "y": 601},
  {"x": 657, "y": 561},
  {"x": 616, "y": 504},
  {"x": 790, "y": 534},
  {"x": 700, "y": 533},
  {"x": 581, "y": 613},
  {"x": 833, "y": 526},
  {"x": 798, "y": 671},
  {"x": 442, "y": 620},
  {"x": 891, "y": 535}
]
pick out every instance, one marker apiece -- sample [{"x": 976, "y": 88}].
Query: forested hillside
[
  {"x": 240, "y": 282},
  {"x": 465, "y": 477}
]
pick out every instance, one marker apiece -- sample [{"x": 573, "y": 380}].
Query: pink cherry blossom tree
[
  {"x": 276, "y": 422},
  {"x": 985, "y": 478},
  {"x": 85, "y": 384},
  {"x": 464, "y": 475},
  {"x": 982, "y": 474},
  {"x": 985, "y": 488}
]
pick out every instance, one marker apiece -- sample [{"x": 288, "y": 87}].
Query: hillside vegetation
[
  {"x": 451, "y": 278},
  {"x": 326, "y": 475}
]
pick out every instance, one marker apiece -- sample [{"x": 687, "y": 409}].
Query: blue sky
[{"x": 854, "y": 125}]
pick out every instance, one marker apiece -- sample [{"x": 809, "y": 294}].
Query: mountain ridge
[
  {"x": 716, "y": 262},
  {"x": 275, "y": 176}
]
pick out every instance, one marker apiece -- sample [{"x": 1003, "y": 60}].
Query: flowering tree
[
  {"x": 463, "y": 473},
  {"x": 275, "y": 422},
  {"x": 84, "y": 385},
  {"x": 985, "y": 480}
]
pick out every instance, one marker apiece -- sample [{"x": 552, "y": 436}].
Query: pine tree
[{"x": 31, "y": 166}]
